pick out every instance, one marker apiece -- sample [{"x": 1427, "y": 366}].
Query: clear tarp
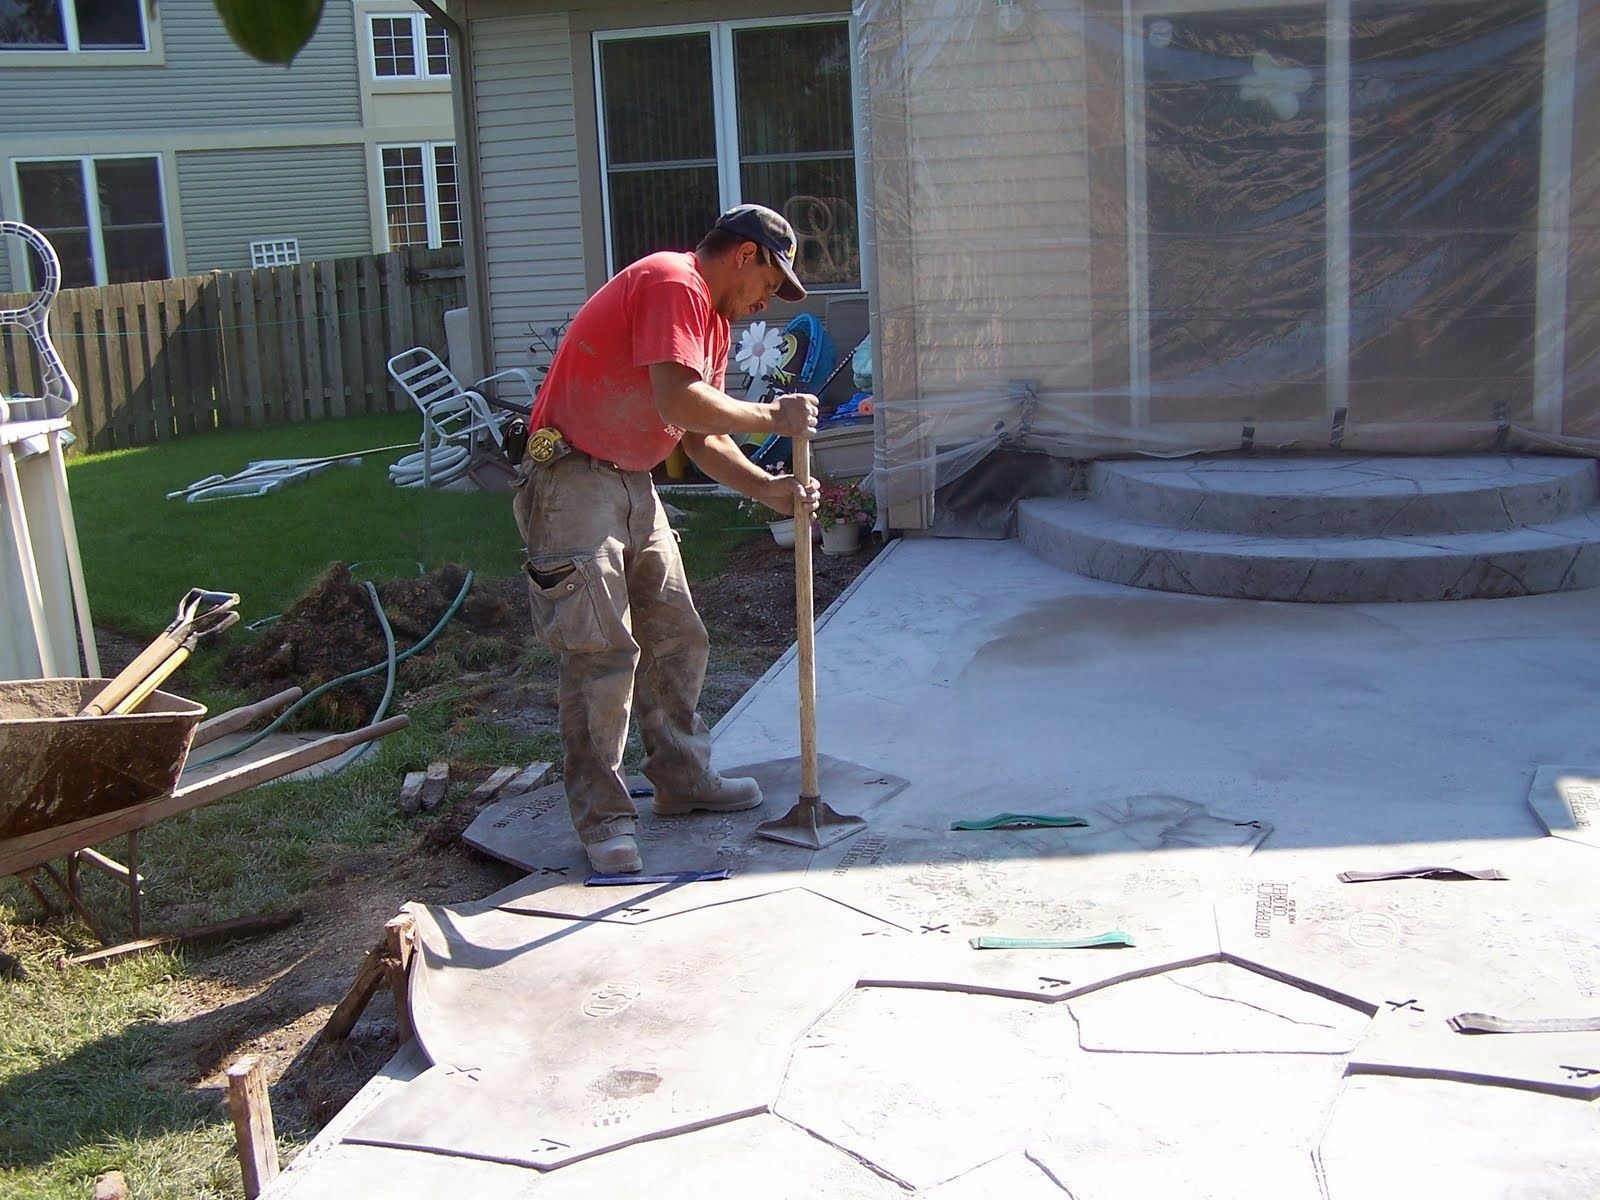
[{"x": 1172, "y": 227}]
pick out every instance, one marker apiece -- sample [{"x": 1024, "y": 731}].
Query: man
[{"x": 641, "y": 370}]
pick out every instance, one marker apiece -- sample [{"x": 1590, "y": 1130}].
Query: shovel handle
[
  {"x": 129, "y": 678},
  {"x": 805, "y": 629}
]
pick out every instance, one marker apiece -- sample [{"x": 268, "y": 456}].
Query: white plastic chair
[{"x": 456, "y": 420}]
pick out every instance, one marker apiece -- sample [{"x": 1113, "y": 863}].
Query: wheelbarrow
[{"x": 70, "y": 780}]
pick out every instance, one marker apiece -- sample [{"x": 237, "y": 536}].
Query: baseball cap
[{"x": 766, "y": 228}]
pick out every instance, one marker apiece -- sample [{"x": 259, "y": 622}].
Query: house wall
[
  {"x": 232, "y": 197},
  {"x": 539, "y": 153},
  {"x": 247, "y": 149}
]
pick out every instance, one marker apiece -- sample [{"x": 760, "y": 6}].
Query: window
[
  {"x": 696, "y": 120},
  {"x": 72, "y": 25},
  {"x": 120, "y": 238},
  {"x": 421, "y": 197},
  {"x": 275, "y": 252},
  {"x": 407, "y": 46}
]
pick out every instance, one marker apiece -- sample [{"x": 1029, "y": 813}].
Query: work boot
[
  {"x": 615, "y": 856},
  {"x": 714, "y": 793}
]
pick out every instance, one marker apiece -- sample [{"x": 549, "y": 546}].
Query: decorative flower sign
[
  {"x": 1277, "y": 86},
  {"x": 760, "y": 350}
]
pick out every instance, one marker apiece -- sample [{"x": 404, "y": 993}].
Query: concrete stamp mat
[
  {"x": 1423, "y": 1138},
  {"x": 1225, "y": 1127},
  {"x": 611, "y": 1034},
  {"x": 1567, "y": 802},
  {"x": 928, "y": 1085}
]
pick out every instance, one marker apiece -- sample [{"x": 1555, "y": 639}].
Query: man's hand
[
  {"x": 787, "y": 495},
  {"x": 795, "y": 415}
]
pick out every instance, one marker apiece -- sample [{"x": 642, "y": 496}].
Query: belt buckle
[{"x": 544, "y": 445}]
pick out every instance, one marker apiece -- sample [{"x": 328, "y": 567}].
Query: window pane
[
  {"x": 660, "y": 210},
  {"x": 818, "y": 196},
  {"x": 404, "y": 196},
  {"x": 135, "y": 253},
  {"x": 109, "y": 25},
  {"x": 31, "y": 25},
  {"x": 131, "y": 226},
  {"x": 438, "y": 48},
  {"x": 393, "y": 52},
  {"x": 658, "y": 102},
  {"x": 52, "y": 202},
  {"x": 794, "y": 89},
  {"x": 445, "y": 185}
]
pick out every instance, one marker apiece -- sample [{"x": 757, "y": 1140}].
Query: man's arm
[
  {"x": 688, "y": 402},
  {"x": 721, "y": 459}
]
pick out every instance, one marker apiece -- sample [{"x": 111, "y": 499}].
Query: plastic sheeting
[{"x": 1175, "y": 227}]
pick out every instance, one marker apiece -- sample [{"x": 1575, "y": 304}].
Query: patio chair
[{"x": 457, "y": 421}]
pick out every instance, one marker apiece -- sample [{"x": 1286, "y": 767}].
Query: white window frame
[
  {"x": 1555, "y": 193},
  {"x": 726, "y": 112},
  {"x": 430, "y": 187},
  {"x": 97, "y": 245},
  {"x": 419, "y": 47},
  {"x": 69, "y": 30}
]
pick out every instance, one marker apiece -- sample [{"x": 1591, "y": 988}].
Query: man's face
[{"x": 755, "y": 284}]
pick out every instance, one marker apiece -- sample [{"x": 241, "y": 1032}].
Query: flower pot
[
  {"x": 841, "y": 539},
  {"x": 782, "y": 532}
]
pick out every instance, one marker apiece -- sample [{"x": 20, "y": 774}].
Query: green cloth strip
[
  {"x": 1021, "y": 821},
  {"x": 1103, "y": 940}
]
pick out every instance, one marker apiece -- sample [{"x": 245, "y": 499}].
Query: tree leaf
[{"x": 272, "y": 31}]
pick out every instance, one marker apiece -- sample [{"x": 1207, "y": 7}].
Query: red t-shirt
[{"x": 598, "y": 390}]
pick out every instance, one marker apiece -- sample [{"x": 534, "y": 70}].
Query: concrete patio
[{"x": 820, "y": 1025}]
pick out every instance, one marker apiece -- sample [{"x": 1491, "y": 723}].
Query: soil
[{"x": 272, "y": 997}]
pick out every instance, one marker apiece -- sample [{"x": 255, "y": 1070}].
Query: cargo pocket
[{"x": 564, "y": 609}]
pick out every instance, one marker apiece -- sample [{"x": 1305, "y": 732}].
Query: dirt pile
[{"x": 333, "y": 630}]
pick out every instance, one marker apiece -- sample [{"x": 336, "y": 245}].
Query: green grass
[{"x": 75, "y": 1045}]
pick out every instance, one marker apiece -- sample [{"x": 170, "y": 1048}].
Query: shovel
[{"x": 200, "y": 614}]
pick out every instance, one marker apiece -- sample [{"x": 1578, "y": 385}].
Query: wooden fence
[{"x": 175, "y": 357}]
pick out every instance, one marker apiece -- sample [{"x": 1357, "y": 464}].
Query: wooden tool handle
[
  {"x": 805, "y": 640},
  {"x": 129, "y": 678}
]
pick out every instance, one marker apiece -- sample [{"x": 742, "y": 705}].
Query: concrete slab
[
  {"x": 610, "y": 1033},
  {"x": 1204, "y": 1060}
]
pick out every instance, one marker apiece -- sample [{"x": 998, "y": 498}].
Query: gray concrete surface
[{"x": 820, "y": 1025}]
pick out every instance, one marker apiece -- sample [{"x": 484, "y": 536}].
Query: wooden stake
[
  {"x": 251, "y": 1107},
  {"x": 400, "y": 937}
]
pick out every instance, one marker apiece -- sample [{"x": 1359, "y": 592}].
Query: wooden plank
[
  {"x": 251, "y": 1107},
  {"x": 118, "y": 390},
  {"x": 372, "y": 337},
  {"x": 332, "y": 336},
  {"x": 400, "y": 939},
  {"x": 221, "y": 323},
  {"x": 349, "y": 1010},
  {"x": 396, "y": 307},
  {"x": 316, "y": 406},
  {"x": 246, "y": 287},
  {"x": 92, "y": 386},
  {"x": 346, "y": 273},
  {"x": 136, "y": 305},
  {"x": 195, "y": 398},
  {"x": 238, "y": 927},
  {"x": 155, "y": 344},
  {"x": 288, "y": 343}
]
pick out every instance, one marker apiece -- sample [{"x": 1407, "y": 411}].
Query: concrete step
[
  {"x": 1341, "y": 496},
  {"x": 1082, "y": 534}
]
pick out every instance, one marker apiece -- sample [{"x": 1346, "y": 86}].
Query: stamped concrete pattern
[{"x": 820, "y": 1024}]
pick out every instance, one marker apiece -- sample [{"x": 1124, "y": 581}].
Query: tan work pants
[{"x": 611, "y": 601}]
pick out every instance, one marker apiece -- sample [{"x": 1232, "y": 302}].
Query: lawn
[{"x": 76, "y": 1045}]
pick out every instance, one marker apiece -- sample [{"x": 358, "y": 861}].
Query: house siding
[
  {"x": 205, "y": 80},
  {"x": 527, "y": 176},
  {"x": 232, "y": 197}
]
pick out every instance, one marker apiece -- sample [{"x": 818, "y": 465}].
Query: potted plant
[
  {"x": 843, "y": 511},
  {"x": 782, "y": 527}
]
